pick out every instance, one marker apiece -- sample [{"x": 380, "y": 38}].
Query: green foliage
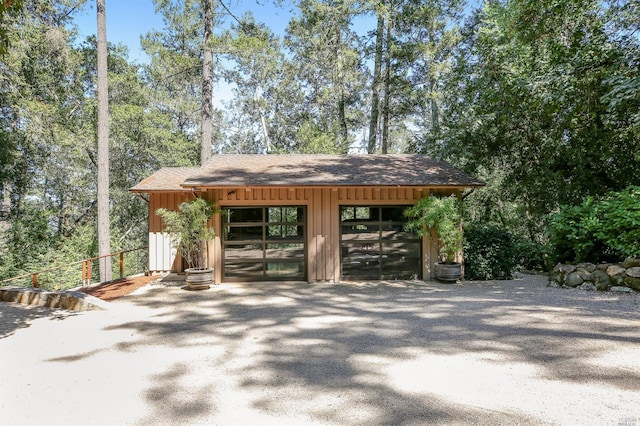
[
  {"x": 531, "y": 255},
  {"x": 489, "y": 253},
  {"x": 6, "y": 7},
  {"x": 599, "y": 229},
  {"x": 189, "y": 229},
  {"x": 545, "y": 92},
  {"x": 443, "y": 215}
]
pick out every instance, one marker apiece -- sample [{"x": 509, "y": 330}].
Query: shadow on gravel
[
  {"x": 323, "y": 349},
  {"x": 15, "y": 316}
]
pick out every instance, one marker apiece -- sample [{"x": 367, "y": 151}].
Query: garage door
[
  {"x": 264, "y": 243},
  {"x": 374, "y": 244}
]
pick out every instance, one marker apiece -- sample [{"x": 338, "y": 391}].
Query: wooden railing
[{"x": 87, "y": 265}]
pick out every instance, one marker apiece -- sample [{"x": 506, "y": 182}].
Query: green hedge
[
  {"x": 489, "y": 253},
  {"x": 598, "y": 230}
]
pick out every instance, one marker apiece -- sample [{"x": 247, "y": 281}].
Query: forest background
[{"x": 539, "y": 98}]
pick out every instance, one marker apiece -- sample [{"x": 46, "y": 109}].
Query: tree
[
  {"x": 325, "y": 51},
  {"x": 207, "y": 81},
  {"x": 529, "y": 98},
  {"x": 175, "y": 72},
  {"x": 6, "y": 8},
  {"x": 266, "y": 93},
  {"x": 104, "y": 235}
]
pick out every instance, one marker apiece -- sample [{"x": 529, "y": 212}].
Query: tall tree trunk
[
  {"x": 104, "y": 234},
  {"x": 375, "y": 89},
  {"x": 207, "y": 83},
  {"x": 387, "y": 89},
  {"x": 342, "y": 118},
  {"x": 435, "y": 116}
]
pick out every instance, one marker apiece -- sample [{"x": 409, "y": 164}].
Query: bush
[
  {"x": 488, "y": 253},
  {"x": 531, "y": 255},
  {"x": 598, "y": 230}
]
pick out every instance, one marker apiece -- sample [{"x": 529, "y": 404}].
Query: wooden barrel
[
  {"x": 199, "y": 278},
  {"x": 448, "y": 272}
]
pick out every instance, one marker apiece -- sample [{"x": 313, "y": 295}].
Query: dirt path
[{"x": 116, "y": 289}]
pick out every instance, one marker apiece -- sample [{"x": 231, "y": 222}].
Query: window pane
[
  {"x": 285, "y": 269},
  {"x": 360, "y": 251},
  {"x": 362, "y": 269},
  {"x": 397, "y": 232},
  {"x": 402, "y": 250},
  {"x": 244, "y": 269},
  {"x": 284, "y": 232},
  {"x": 285, "y": 214},
  {"x": 347, "y": 213},
  {"x": 244, "y": 215},
  {"x": 393, "y": 214},
  {"x": 243, "y": 233},
  {"x": 245, "y": 251},
  {"x": 284, "y": 251},
  {"x": 360, "y": 232},
  {"x": 358, "y": 213}
]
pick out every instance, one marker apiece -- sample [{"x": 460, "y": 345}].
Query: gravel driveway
[{"x": 510, "y": 352}]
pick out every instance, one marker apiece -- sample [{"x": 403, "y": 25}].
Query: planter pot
[
  {"x": 448, "y": 272},
  {"x": 199, "y": 278}
]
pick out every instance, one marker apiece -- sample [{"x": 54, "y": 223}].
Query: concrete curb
[{"x": 70, "y": 300}]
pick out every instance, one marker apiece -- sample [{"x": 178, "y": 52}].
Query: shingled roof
[
  {"x": 312, "y": 170},
  {"x": 165, "y": 179}
]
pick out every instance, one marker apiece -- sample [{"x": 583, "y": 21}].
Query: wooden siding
[
  {"x": 162, "y": 253},
  {"x": 323, "y": 216}
]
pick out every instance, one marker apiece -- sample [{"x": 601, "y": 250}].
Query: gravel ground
[{"x": 509, "y": 352}]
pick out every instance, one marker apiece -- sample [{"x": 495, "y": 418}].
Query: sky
[{"x": 127, "y": 20}]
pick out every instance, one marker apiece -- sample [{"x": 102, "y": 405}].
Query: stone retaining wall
[
  {"x": 621, "y": 277},
  {"x": 71, "y": 300}
]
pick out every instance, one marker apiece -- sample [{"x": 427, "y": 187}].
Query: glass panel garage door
[
  {"x": 374, "y": 244},
  {"x": 264, "y": 243}
]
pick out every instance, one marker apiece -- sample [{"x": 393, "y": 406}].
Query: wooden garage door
[
  {"x": 264, "y": 243},
  {"x": 374, "y": 244}
]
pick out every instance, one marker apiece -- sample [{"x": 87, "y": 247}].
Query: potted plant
[
  {"x": 442, "y": 214},
  {"x": 190, "y": 232}
]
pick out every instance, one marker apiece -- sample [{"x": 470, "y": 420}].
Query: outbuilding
[{"x": 305, "y": 217}]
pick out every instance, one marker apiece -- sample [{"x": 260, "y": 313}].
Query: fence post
[
  {"x": 121, "y": 265},
  {"x": 89, "y": 272},
  {"x": 84, "y": 272},
  {"x": 35, "y": 280}
]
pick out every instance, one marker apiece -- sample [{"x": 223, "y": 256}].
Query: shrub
[
  {"x": 531, "y": 255},
  {"x": 488, "y": 253},
  {"x": 442, "y": 214},
  {"x": 604, "y": 229}
]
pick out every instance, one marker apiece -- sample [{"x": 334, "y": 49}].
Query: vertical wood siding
[
  {"x": 323, "y": 222},
  {"x": 162, "y": 254}
]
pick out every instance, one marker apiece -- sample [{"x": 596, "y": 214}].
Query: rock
[
  {"x": 587, "y": 286},
  {"x": 573, "y": 280},
  {"x": 615, "y": 270},
  {"x": 584, "y": 274},
  {"x": 589, "y": 267},
  {"x": 603, "y": 266},
  {"x": 601, "y": 280},
  {"x": 553, "y": 284},
  {"x": 633, "y": 272},
  {"x": 620, "y": 289},
  {"x": 633, "y": 283},
  {"x": 631, "y": 262},
  {"x": 565, "y": 269},
  {"x": 617, "y": 280}
]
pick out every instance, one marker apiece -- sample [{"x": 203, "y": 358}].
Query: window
[
  {"x": 264, "y": 243},
  {"x": 374, "y": 244}
]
